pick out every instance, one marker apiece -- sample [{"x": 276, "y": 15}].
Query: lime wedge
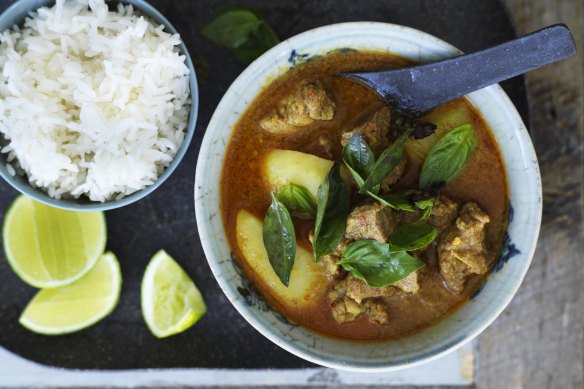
[
  {"x": 76, "y": 306},
  {"x": 171, "y": 303},
  {"x": 49, "y": 247}
]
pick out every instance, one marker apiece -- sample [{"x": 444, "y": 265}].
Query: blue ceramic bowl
[{"x": 15, "y": 15}]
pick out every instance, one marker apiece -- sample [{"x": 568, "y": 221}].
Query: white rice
[{"x": 92, "y": 102}]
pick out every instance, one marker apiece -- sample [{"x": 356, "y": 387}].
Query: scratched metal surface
[{"x": 166, "y": 219}]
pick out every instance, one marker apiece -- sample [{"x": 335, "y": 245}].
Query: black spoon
[{"x": 420, "y": 88}]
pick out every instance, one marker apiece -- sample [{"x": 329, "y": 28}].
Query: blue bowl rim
[{"x": 73, "y": 204}]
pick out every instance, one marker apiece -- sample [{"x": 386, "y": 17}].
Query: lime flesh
[
  {"x": 171, "y": 303},
  {"x": 76, "y": 306},
  {"x": 49, "y": 247}
]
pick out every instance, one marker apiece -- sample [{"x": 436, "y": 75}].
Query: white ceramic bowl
[{"x": 451, "y": 332}]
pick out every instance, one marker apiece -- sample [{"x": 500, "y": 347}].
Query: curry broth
[{"x": 243, "y": 187}]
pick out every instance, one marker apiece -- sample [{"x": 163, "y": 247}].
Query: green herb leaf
[
  {"x": 359, "y": 158},
  {"x": 410, "y": 237},
  {"x": 386, "y": 162},
  {"x": 426, "y": 206},
  {"x": 280, "y": 240},
  {"x": 243, "y": 32},
  {"x": 231, "y": 29},
  {"x": 395, "y": 201},
  {"x": 373, "y": 262},
  {"x": 448, "y": 157},
  {"x": 219, "y": 9},
  {"x": 298, "y": 200},
  {"x": 259, "y": 41},
  {"x": 331, "y": 214},
  {"x": 402, "y": 202}
]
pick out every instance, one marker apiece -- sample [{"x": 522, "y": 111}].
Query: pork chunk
[
  {"x": 371, "y": 221},
  {"x": 329, "y": 264},
  {"x": 329, "y": 261},
  {"x": 376, "y": 311},
  {"x": 344, "y": 309},
  {"x": 461, "y": 249},
  {"x": 359, "y": 290},
  {"x": 443, "y": 213},
  {"x": 410, "y": 284},
  {"x": 308, "y": 103},
  {"x": 375, "y": 130}
]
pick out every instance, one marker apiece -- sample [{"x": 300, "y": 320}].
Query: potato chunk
[
  {"x": 446, "y": 117},
  {"x": 284, "y": 166},
  {"x": 307, "y": 280}
]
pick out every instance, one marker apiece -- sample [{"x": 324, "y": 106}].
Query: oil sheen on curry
[{"x": 354, "y": 220}]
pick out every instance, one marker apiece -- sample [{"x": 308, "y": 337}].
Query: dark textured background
[{"x": 166, "y": 219}]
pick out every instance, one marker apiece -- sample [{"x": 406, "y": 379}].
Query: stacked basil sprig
[{"x": 376, "y": 263}]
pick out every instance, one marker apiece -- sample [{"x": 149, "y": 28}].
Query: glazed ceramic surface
[{"x": 448, "y": 334}]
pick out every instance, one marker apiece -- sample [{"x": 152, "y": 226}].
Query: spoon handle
[{"x": 419, "y": 88}]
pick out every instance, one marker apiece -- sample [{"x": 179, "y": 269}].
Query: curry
[{"x": 354, "y": 220}]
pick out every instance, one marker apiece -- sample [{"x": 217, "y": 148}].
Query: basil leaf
[
  {"x": 426, "y": 203},
  {"x": 386, "y": 162},
  {"x": 219, "y": 9},
  {"x": 359, "y": 158},
  {"x": 259, "y": 41},
  {"x": 448, "y": 157},
  {"x": 331, "y": 213},
  {"x": 280, "y": 240},
  {"x": 403, "y": 202},
  {"x": 395, "y": 201},
  {"x": 231, "y": 29},
  {"x": 243, "y": 32},
  {"x": 410, "y": 237},
  {"x": 426, "y": 206},
  {"x": 373, "y": 262},
  {"x": 297, "y": 199},
  {"x": 356, "y": 176}
]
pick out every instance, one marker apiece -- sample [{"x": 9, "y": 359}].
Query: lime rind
[
  {"x": 113, "y": 277},
  {"x": 23, "y": 275},
  {"x": 192, "y": 299}
]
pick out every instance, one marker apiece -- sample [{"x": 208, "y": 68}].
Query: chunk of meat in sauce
[
  {"x": 329, "y": 261},
  {"x": 308, "y": 103},
  {"x": 377, "y": 311},
  {"x": 375, "y": 130},
  {"x": 371, "y": 221},
  {"x": 461, "y": 250},
  {"x": 443, "y": 213},
  {"x": 344, "y": 309},
  {"x": 359, "y": 290}
]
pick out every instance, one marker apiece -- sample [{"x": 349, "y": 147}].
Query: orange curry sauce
[{"x": 244, "y": 187}]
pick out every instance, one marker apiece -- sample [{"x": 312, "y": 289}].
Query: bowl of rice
[{"x": 98, "y": 102}]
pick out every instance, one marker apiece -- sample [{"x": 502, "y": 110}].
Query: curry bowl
[{"x": 452, "y": 331}]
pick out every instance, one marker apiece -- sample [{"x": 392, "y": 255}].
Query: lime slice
[
  {"x": 76, "y": 306},
  {"x": 171, "y": 303},
  {"x": 49, "y": 247}
]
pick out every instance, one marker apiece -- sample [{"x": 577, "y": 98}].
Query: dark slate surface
[{"x": 166, "y": 219}]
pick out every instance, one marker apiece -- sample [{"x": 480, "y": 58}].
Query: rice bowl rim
[{"x": 15, "y": 15}]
